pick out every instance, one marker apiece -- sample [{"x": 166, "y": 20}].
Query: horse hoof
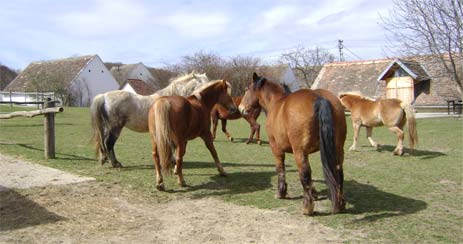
[
  {"x": 247, "y": 142},
  {"x": 161, "y": 187},
  {"x": 308, "y": 212},
  {"x": 352, "y": 148},
  {"x": 223, "y": 174},
  {"x": 182, "y": 184},
  {"x": 259, "y": 142},
  {"x": 231, "y": 139},
  {"x": 117, "y": 165}
]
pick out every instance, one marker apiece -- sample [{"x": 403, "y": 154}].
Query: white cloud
[
  {"x": 198, "y": 24},
  {"x": 104, "y": 18}
]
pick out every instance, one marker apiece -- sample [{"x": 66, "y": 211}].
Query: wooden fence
[{"x": 49, "y": 109}]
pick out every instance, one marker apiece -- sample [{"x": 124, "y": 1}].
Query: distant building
[
  {"x": 138, "y": 87},
  {"x": 75, "y": 80},
  {"x": 282, "y": 74},
  {"x": 138, "y": 71},
  {"x": 419, "y": 80}
]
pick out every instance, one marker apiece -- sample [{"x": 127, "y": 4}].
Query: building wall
[
  {"x": 401, "y": 88},
  {"x": 92, "y": 80},
  {"x": 129, "y": 88}
]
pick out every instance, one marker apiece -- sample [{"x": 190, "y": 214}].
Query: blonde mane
[
  {"x": 197, "y": 92},
  {"x": 184, "y": 85},
  {"x": 356, "y": 94}
]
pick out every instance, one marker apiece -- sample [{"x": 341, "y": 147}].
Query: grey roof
[
  {"x": 122, "y": 72},
  {"x": 412, "y": 67},
  {"x": 64, "y": 70}
]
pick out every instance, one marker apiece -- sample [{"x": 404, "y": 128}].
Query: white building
[
  {"x": 282, "y": 74},
  {"x": 74, "y": 80},
  {"x": 138, "y": 71}
]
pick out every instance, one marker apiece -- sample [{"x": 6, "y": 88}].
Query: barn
[
  {"x": 138, "y": 87},
  {"x": 74, "y": 80},
  {"x": 419, "y": 80}
]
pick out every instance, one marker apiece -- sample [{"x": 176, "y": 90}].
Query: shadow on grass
[
  {"x": 416, "y": 152},
  {"x": 199, "y": 165},
  {"x": 62, "y": 156},
  {"x": 19, "y": 212},
  {"x": 234, "y": 183},
  {"x": 372, "y": 204}
]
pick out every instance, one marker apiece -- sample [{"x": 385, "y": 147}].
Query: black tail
[{"x": 334, "y": 177}]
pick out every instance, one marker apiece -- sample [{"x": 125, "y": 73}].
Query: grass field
[{"x": 409, "y": 199}]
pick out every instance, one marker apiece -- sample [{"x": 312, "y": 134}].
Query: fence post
[
  {"x": 11, "y": 104},
  {"x": 49, "y": 130}
]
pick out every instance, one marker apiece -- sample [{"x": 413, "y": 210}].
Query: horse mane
[
  {"x": 205, "y": 86},
  {"x": 184, "y": 85},
  {"x": 355, "y": 94}
]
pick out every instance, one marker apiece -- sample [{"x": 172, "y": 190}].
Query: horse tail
[
  {"x": 99, "y": 122},
  {"x": 164, "y": 142},
  {"x": 333, "y": 173},
  {"x": 411, "y": 123}
]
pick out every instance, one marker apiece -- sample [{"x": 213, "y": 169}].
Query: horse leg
[
  {"x": 215, "y": 121},
  {"x": 110, "y": 141},
  {"x": 157, "y": 167},
  {"x": 356, "y": 126},
  {"x": 207, "y": 138},
  {"x": 102, "y": 157},
  {"x": 282, "y": 191},
  {"x": 399, "y": 149},
  {"x": 305, "y": 176},
  {"x": 224, "y": 129},
  {"x": 179, "y": 163},
  {"x": 370, "y": 139}
]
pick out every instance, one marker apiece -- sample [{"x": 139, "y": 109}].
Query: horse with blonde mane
[
  {"x": 114, "y": 110},
  {"x": 174, "y": 120},
  {"x": 370, "y": 113},
  {"x": 302, "y": 123}
]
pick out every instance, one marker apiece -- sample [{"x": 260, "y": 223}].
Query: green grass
[{"x": 409, "y": 199}]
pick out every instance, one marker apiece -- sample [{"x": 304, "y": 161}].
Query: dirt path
[{"x": 95, "y": 212}]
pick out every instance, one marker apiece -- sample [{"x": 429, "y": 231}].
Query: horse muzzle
[{"x": 242, "y": 110}]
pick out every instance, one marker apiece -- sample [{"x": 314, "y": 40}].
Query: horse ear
[{"x": 255, "y": 76}]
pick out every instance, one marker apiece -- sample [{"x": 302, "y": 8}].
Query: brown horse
[
  {"x": 301, "y": 123},
  {"x": 220, "y": 112},
  {"x": 174, "y": 120},
  {"x": 392, "y": 113}
]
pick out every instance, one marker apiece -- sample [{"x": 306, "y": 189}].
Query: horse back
[{"x": 292, "y": 123}]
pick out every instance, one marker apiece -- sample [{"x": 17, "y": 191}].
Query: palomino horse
[
  {"x": 174, "y": 120},
  {"x": 301, "y": 123},
  {"x": 390, "y": 112},
  {"x": 220, "y": 112},
  {"x": 115, "y": 110}
]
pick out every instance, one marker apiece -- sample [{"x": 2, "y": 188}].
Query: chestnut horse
[
  {"x": 301, "y": 123},
  {"x": 390, "y": 112},
  {"x": 114, "y": 110},
  {"x": 220, "y": 112},
  {"x": 174, "y": 120}
]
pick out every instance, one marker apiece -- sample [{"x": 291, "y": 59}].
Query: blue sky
[{"x": 161, "y": 32}]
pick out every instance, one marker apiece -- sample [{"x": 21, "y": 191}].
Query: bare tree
[
  {"x": 429, "y": 27},
  {"x": 209, "y": 63},
  {"x": 307, "y": 62},
  {"x": 239, "y": 72}
]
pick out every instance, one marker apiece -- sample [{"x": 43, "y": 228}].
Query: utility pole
[{"x": 341, "y": 54}]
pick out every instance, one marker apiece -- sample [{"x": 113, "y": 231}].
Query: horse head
[{"x": 251, "y": 96}]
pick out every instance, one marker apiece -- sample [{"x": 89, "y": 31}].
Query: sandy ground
[{"x": 96, "y": 212}]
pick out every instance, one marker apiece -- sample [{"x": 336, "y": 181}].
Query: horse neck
[{"x": 269, "y": 96}]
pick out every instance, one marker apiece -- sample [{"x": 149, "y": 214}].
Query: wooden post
[
  {"x": 49, "y": 129},
  {"x": 11, "y": 101}
]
